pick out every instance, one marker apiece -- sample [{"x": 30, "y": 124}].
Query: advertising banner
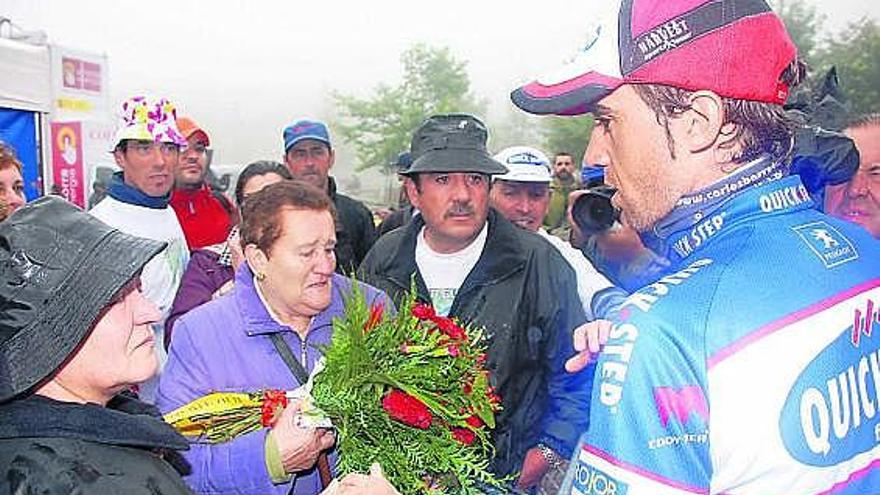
[
  {"x": 79, "y": 86},
  {"x": 68, "y": 179}
]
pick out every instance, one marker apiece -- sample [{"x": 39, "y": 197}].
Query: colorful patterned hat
[{"x": 145, "y": 119}]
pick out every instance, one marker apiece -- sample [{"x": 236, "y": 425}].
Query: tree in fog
[
  {"x": 381, "y": 126},
  {"x": 569, "y": 135},
  {"x": 856, "y": 54},
  {"x": 802, "y": 21},
  {"x": 854, "y": 51}
]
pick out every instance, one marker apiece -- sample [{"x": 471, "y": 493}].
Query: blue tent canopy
[{"x": 18, "y": 128}]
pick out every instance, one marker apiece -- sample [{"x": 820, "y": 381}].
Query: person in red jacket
[{"x": 205, "y": 215}]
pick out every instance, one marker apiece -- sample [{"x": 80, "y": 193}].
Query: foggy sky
[{"x": 245, "y": 69}]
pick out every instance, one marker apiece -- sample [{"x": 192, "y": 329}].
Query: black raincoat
[{"x": 50, "y": 447}]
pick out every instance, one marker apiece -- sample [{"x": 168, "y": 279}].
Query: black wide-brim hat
[
  {"x": 59, "y": 269},
  {"x": 452, "y": 143}
]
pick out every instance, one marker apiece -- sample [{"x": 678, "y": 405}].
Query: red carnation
[
  {"x": 376, "y": 311},
  {"x": 474, "y": 421},
  {"x": 450, "y": 329},
  {"x": 423, "y": 311},
  {"x": 407, "y": 409},
  {"x": 493, "y": 397},
  {"x": 274, "y": 402},
  {"x": 464, "y": 435}
]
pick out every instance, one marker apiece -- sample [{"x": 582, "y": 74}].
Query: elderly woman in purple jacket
[
  {"x": 286, "y": 287},
  {"x": 211, "y": 269}
]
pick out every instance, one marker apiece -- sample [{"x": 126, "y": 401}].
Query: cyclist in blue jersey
[{"x": 751, "y": 367}]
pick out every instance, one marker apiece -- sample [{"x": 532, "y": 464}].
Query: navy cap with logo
[
  {"x": 305, "y": 129},
  {"x": 452, "y": 143}
]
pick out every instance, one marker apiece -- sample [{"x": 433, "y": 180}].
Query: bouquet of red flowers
[
  {"x": 410, "y": 392},
  {"x": 407, "y": 390}
]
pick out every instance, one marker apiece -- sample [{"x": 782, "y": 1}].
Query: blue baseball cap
[{"x": 305, "y": 129}]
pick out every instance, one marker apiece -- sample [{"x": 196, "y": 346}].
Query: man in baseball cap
[
  {"x": 727, "y": 374},
  {"x": 309, "y": 155},
  {"x": 522, "y": 195},
  {"x": 472, "y": 264},
  {"x": 206, "y": 215}
]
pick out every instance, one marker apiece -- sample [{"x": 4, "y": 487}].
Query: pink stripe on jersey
[
  {"x": 777, "y": 325},
  {"x": 855, "y": 476},
  {"x": 643, "y": 473}
]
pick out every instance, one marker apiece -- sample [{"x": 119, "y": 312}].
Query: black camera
[{"x": 593, "y": 211}]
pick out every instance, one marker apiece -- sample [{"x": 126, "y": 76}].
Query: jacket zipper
[{"x": 304, "y": 356}]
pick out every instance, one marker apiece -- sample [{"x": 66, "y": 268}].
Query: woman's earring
[{"x": 261, "y": 276}]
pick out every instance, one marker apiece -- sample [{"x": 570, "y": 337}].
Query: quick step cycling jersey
[{"x": 752, "y": 368}]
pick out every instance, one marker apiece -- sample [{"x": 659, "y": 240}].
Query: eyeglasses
[
  {"x": 146, "y": 148},
  {"x": 303, "y": 153},
  {"x": 198, "y": 148}
]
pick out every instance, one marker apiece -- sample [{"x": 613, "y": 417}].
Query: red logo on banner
[
  {"x": 79, "y": 74},
  {"x": 68, "y": 180}
]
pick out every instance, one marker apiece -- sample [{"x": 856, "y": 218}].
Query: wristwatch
[{"x": 550, "y": 455}]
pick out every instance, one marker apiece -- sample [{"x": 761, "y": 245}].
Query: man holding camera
[
  {"x": 522, "y": 195},
  {"x": 615, "y": 249},
  {"x": 746, "y": 369}
]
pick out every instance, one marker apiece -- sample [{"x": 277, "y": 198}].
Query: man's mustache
[{"x": 459, "y": 209}]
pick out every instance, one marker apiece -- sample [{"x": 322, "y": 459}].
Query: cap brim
[
  {"x": 321, "y": 139},
  {"x": 140, "y": 133},
  {"x": 455, "y": 160},
  {"x": 38, "y": 350},
  {"x": 523, "y": 178},
  {"x": 201, "y": 136},
  {"x": 573, "y": 97}
]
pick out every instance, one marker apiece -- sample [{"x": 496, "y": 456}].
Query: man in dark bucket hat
[
  {"x": 75, "y": 333},
  {"x": 452, "y": 143},
  {"x": 474, "y": 265}
]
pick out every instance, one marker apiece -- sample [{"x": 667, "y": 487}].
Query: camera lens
[{"x": 593, "y": 211}]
